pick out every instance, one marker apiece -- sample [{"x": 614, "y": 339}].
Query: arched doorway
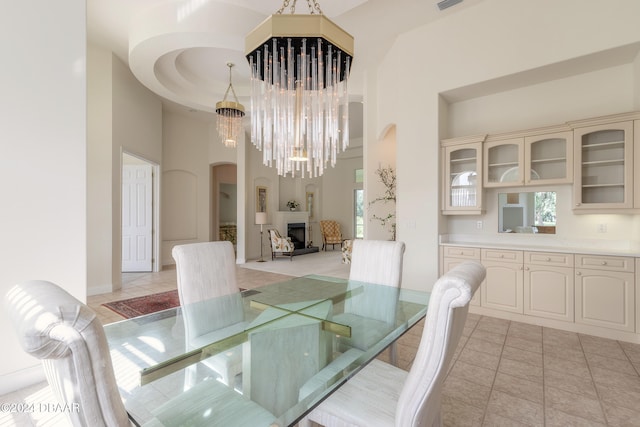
[{"x": 224, "y": 197}]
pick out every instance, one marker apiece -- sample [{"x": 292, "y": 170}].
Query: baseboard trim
[
  {"x": 98, "y": 290},
  {"x": 22, "y": 378}
]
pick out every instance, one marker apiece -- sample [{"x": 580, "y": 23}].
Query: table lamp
[{"x": 261, "y": 218}]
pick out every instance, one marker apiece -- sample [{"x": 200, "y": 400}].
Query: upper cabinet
[
  {"x": 503, "y": 163},
  {"x": 603, "y": 175},
  {"x": 597, "y": 155},
  {"x": 549, "y": 158},
  {"x": 532, "y": 159},
  {"x": 462, "y": 175}
]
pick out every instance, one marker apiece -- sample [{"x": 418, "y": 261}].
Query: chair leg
[{"x": 393, "y": 354}]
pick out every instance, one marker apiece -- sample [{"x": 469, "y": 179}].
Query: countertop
[{"x": 598, "y": 247}]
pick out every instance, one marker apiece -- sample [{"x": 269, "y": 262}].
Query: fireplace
[{"x": 296, "y": 231}]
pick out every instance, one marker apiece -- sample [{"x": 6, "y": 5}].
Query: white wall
[
  {"x": 581, "y": 96},
  {"x": 137, "y": 129},
  {"x": 383, "y": 149},
  {"x": 490, "y": 42},
  {"x": 186, "y": 178},
  {"x": 337, "y": 195},
  {"x": 122, "y": 116},
  {"x": 43, "y": 165},
  {"x": 99, "y": 170}
]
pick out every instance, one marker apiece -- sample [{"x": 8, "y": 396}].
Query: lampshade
[
  {"x": 299, "y": 104},
  {"x": 261, "y": 218},
  {"x": 230, "y": 114}
]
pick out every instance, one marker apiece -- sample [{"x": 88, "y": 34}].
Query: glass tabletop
[{"x": 259, "y": 357}]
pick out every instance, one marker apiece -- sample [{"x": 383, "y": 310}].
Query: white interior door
[{"x": 137, "y": 217}]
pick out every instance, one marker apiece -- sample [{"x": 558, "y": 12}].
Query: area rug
[{"x": 139, "y": 306}]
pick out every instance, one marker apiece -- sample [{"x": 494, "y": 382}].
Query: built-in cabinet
[
  {"x": 549, "y": 158},
  {"x": 531, "y": 159},
  {"x": 605, "y": 291},
  {"x": 462, "y": 176},
  {"x": 597, "y": 155},
  {"x": 504, "y": 280},
  {"x": 548, "y": 285},
  {"x": 597, "y": 292},
  {"x": 603, "y": 177}
]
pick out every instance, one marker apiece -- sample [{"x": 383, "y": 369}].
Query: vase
[{"x": 292, "y": 209}]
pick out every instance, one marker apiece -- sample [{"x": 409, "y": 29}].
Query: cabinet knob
[
  {"x": 578, "y": 273},
  {"x": 604, "y": 262},
  {"x": 501, "y": 256},
  {"x": 548, "y": 259},
  {"x": 577, "y": 204},
  {"x": 526, "y": 268}
]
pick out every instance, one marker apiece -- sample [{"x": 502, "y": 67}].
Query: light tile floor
[{"x": 504, "y": 373}]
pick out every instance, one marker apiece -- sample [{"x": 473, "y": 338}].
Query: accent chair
[
  {"x": 331, "y": 234},
  {"x": 280, "y": 245}
]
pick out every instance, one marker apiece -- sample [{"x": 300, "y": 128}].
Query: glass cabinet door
[
  {"x": 604, "y": 166},
  {"x": 503, "y": 163},
  {"x": 463, "y": 179},
  {"x": 549, "y": 158}
]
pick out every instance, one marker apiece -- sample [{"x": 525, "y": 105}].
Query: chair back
[
  {"x": 205, "y": 270},
  {"x": 420, "y": 399},
  {"x": 279, "y": 243},
  {"x": 330, "y": 230},
  {"x": 67, "y": 336},
  {"x": 276, "y": 239},
  {"x": 377, "y": 261}
]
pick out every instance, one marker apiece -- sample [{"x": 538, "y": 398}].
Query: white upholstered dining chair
[
  {"x": 204, "y": 271},
  {"x": 379, "y": 262},
  {"x": 67, "y": 336},
  {"x": 383, "y": 395}
]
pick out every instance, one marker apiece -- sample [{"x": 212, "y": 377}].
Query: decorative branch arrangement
[{"x": 387, "y": 176}]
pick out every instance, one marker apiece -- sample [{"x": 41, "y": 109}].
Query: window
[{"x": 358, "y": 203}]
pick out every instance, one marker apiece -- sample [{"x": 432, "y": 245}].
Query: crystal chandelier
[
  {"x": 299, "y": 104},
  {"x": 230, "y": 114}
]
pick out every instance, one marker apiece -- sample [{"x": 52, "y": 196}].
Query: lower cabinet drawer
[
  {"x": 461, "y": 252},
  {"x": 549, "y": 258},
  {"x": 608, "y": 263}
]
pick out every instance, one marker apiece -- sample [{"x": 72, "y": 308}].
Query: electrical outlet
[
  {"x": 602, "y": 228},
  {"x": 479, "y": 225}
]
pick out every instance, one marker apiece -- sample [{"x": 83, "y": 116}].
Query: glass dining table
[{"x": 261, "y": 357}]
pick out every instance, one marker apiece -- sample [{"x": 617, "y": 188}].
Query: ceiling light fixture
[
  {"x": 230, "y": 114},
  {"x": 299, "y": 104}
]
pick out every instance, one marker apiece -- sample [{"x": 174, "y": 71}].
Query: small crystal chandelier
[
  {"x": 230, "y": 114},
  {"x": 299, "y": 104}
]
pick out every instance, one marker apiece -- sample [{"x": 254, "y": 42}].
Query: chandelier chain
[
  {"x": 285, "y": 4},
  {"x": 230, "y": 65},
  {"x": 314, "y": 7}
]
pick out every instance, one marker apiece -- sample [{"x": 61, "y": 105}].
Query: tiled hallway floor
[{"x": 504, "y": 373}]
